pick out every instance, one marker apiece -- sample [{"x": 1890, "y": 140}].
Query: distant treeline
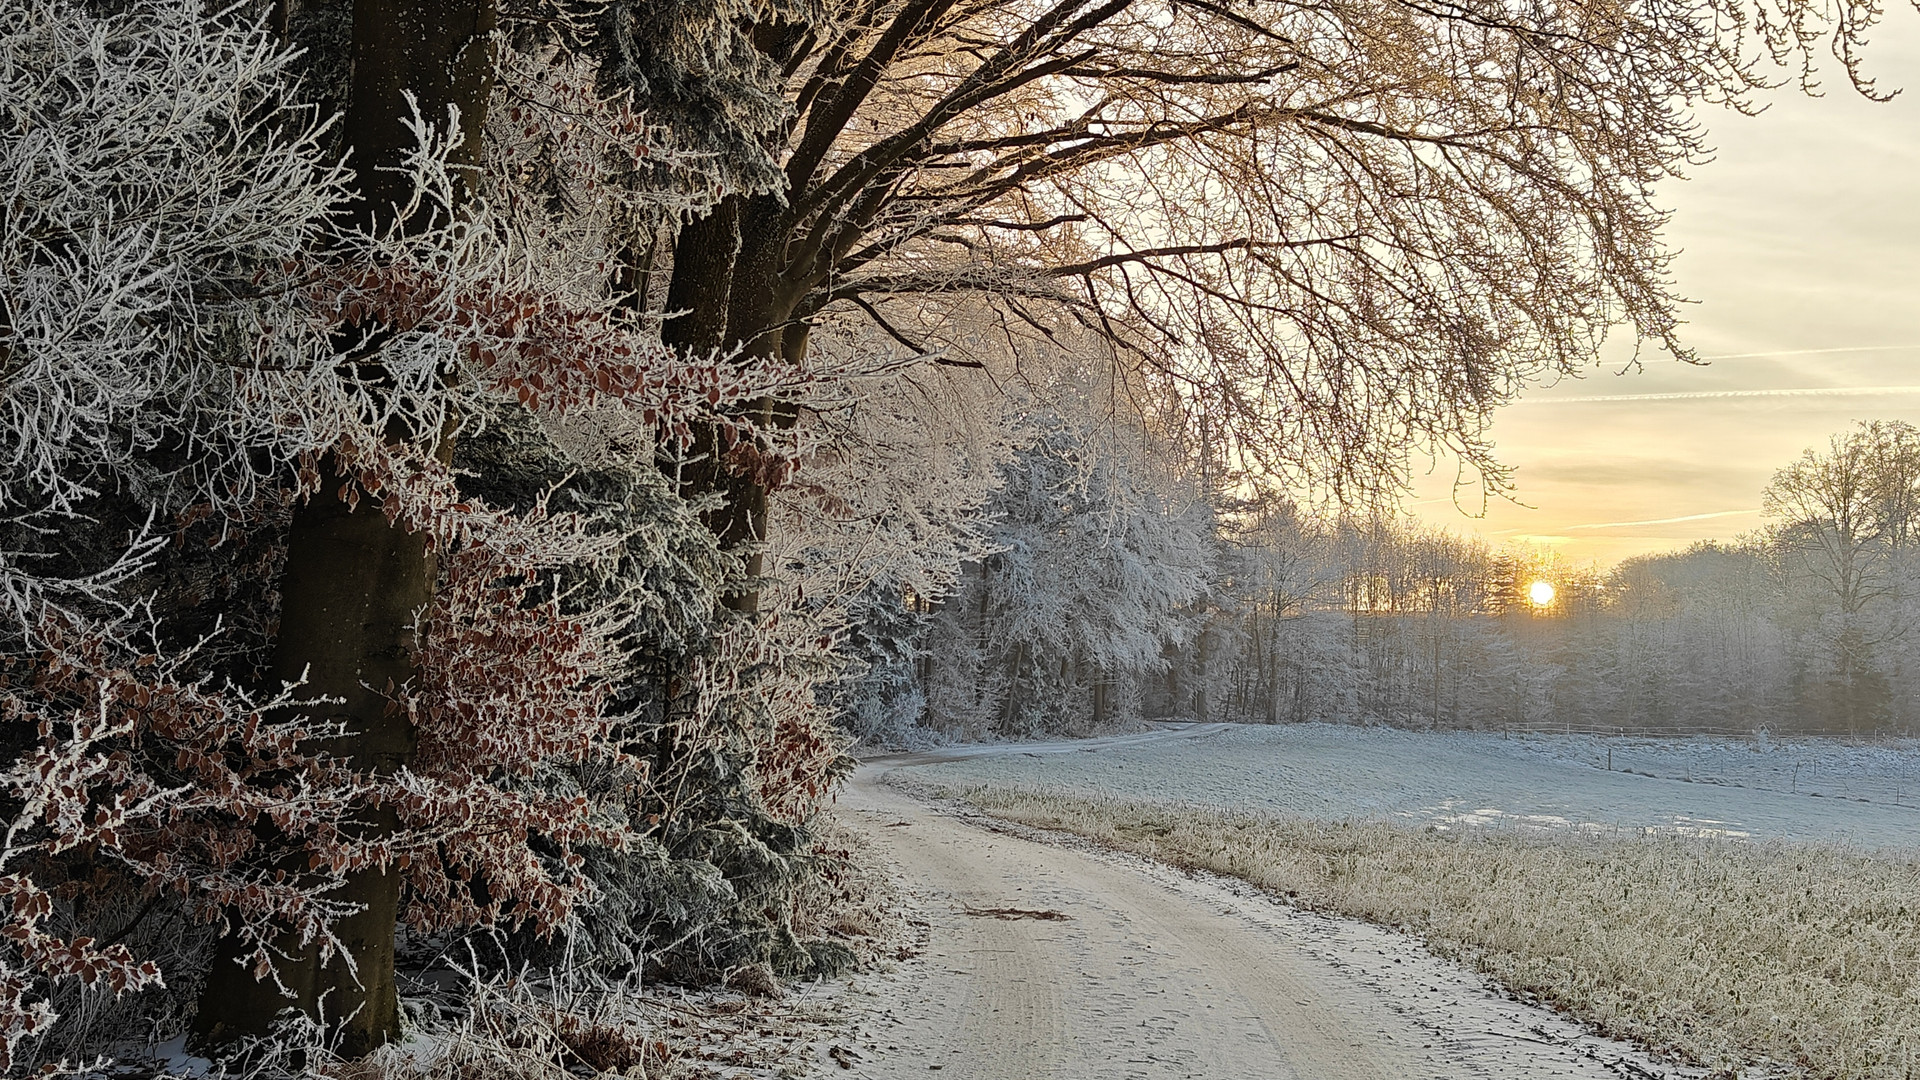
[{"x": 1124, "y": 588}]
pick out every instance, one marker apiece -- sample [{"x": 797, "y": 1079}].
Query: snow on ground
[{"x": 1807, "y": 790}]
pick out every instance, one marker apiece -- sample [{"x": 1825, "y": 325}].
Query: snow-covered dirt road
[{"x": 1043, "y": 960}]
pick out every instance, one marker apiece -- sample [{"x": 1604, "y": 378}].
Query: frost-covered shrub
[
  {"x": 717, "y": 752},
  {"x": 137, "y": 787}
]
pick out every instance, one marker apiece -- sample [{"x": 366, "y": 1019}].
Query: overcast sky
[{"x": 1801, "y": 242}]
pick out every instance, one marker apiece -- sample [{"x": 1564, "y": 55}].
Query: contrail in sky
[
  {"x": 1692, "y": 395},
  {"x": 1662, "y": 521},
  {"x": 1810, "y": 352}
]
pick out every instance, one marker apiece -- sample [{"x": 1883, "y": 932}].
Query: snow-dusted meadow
[{"x": 1759, "y": 788}]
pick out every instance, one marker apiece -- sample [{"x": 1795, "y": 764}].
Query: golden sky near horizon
[{"x": 1801, "y": 244}]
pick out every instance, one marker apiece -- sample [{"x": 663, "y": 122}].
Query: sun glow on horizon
[{"x": 1541, "y": 593}]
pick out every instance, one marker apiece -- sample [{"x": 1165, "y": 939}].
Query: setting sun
[{"x": 1541, "y": 593}]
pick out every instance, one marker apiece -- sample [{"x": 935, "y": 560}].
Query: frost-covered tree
[
  {"x": 507, "y": 292},
  {"x": 1340, "y": 230},
  {"x": 1847, "y": 514},
  {"x": 1844, "y": 524},
  {"x": 1100, "y": 548},
  {"x": 1276, "y": 568}
]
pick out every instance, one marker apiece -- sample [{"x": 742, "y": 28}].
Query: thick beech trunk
[
  {"x": 726, "y": 281},
  {"x": 356, "y": 586},
  {"x": 353, "y": 589}
]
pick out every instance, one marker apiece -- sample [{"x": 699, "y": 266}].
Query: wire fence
[
  {"x": 1761, "y": 734},
  {"x": 1871, "y": 768}
]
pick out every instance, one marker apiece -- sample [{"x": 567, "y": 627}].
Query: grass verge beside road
[{"x": 1725, "y": 953}]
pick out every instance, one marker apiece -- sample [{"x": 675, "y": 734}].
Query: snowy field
[{"x": 1809, "y": 790}]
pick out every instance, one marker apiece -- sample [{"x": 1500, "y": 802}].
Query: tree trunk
[
  {"x": 353, "y": 589},
  {"x": 1012, "y": 704},
  {"x": 703, "y": 256},
  {"x": 724, "y": 284},
  {"x": 356, "y": 586}
]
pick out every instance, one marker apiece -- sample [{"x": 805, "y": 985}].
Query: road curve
[{"x": 1154, "y": 974}]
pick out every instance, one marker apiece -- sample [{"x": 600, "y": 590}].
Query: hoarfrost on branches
[{"x": 161, "y": 179}]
